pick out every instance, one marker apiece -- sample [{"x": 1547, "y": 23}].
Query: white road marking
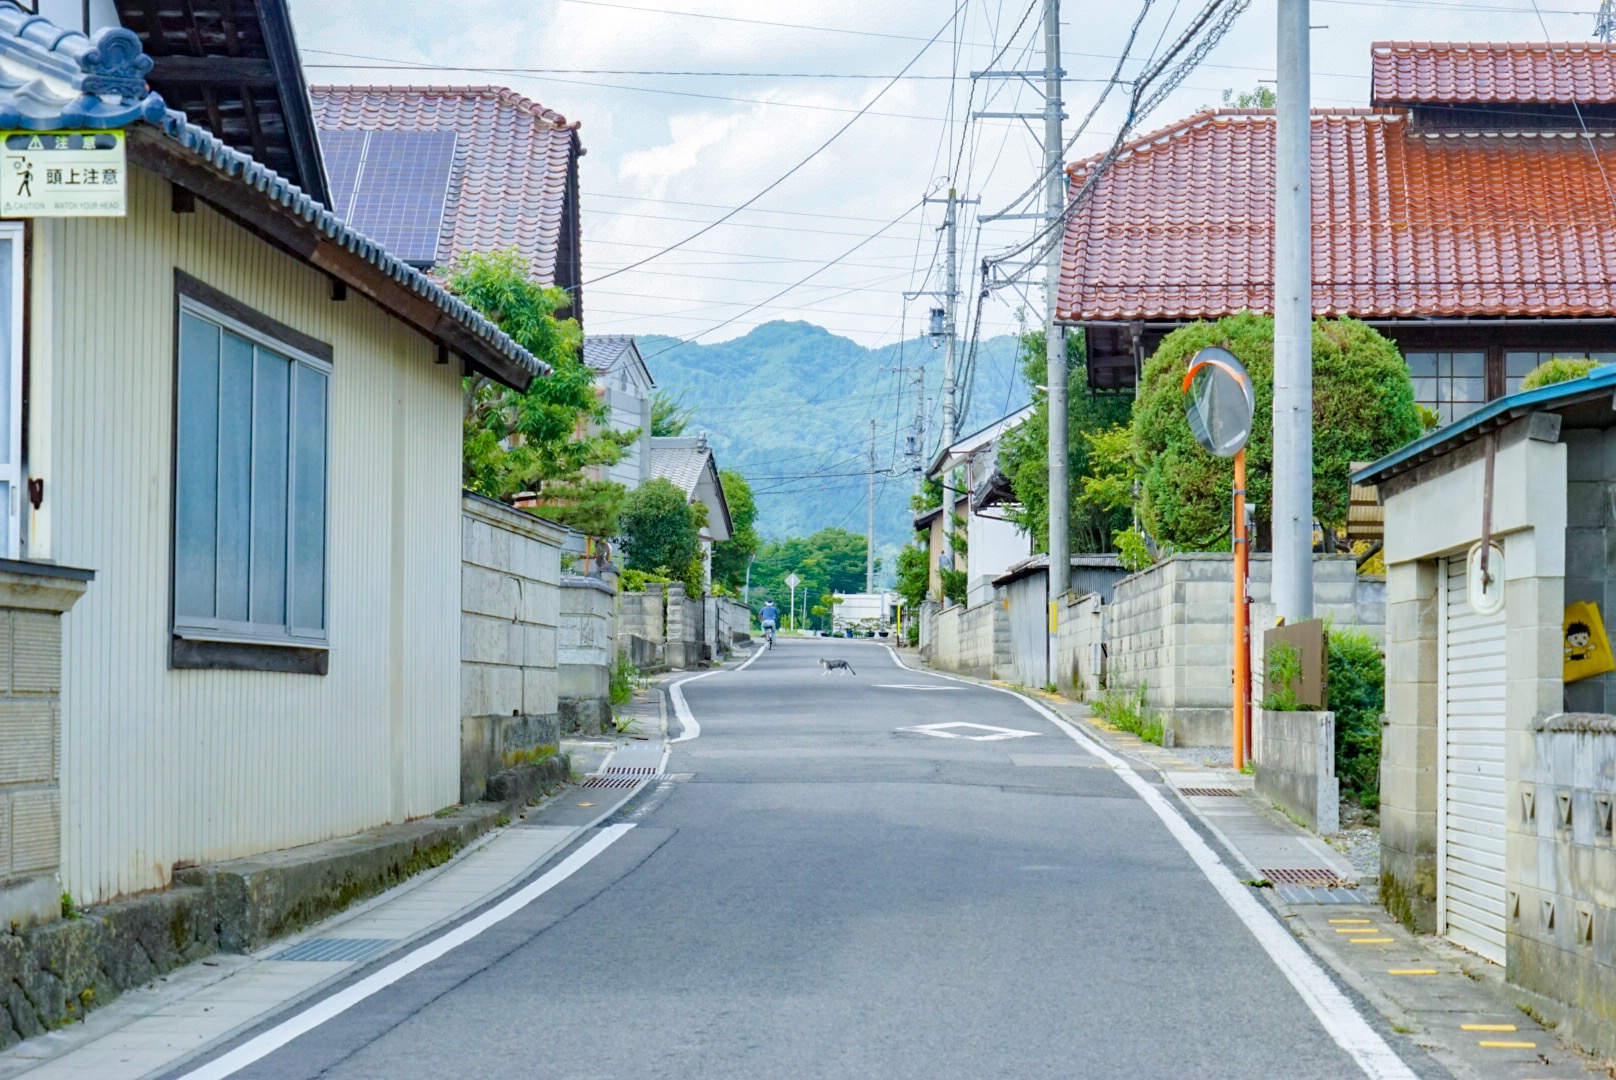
[
  {"x": 278, "y": 1036},
  {"x": 912, "y": 686},
  {"x": 994, "y": 734},
  {"x": 1334, "y": 1011}
]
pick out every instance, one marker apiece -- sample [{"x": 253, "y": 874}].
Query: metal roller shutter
[{"x": 1473, "y": 757}]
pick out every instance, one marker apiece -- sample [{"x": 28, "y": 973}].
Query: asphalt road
[{"x": 821, "y": 893}]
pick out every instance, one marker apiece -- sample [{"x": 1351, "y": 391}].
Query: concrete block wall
[
  {"x": 1562, "y": 924},
  {"x": 1080, "y": 643},
  {"x": 510, "y": 614},
  {"x": 586, "y": 651},
  {"x": 1170, "y": 632},
  {"x": 32, "y": 602},
  {"x": 972, "y": 640},
  {"x": 1295, "y": 756},
  {"x": 642, "y": 627},
  {"x": 1408, "y": 745}
]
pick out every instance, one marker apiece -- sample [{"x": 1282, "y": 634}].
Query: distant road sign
[{"x": 792, "y": 581}]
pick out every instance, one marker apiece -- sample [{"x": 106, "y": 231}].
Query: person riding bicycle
[{"x": 769, "y": 619}]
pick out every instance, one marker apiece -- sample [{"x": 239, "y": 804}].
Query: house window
[
  {"x": 1454, "y": 384},
  {"x": 252, "y": 432},
  {"x": 11, "y": 486},
  {"x": 1518, "y": 364}
]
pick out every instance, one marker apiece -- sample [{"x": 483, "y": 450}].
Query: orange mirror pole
[{"x": 1242, "y": 629}]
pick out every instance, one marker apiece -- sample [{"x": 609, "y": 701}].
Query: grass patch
[
  {"x": 1125, "y": 710},
  {"x": 625, "y": 679}
]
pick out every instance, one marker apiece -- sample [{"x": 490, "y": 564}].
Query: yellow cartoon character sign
[{"x": 1587, "y": 649}]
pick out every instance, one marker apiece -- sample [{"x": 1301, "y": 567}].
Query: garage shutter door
[{"x": 1473, "y": 688}]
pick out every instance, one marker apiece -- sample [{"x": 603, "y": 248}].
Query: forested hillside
[{"x": 789, "y": 405}]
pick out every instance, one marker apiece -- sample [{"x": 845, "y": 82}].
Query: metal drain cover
[
  {"x": 334, "y": 949},
  {"x": 1224, "y": 791},
  {"x": 613, "y": 781},
  {"x": 1304, "y": 876},
  {"x": 631, "y": 770}
]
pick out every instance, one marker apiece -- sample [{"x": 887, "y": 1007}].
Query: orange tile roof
[
  {"x": 508, "y": 188},
  {"x": 1405, "y": 223},
  {"x": 1452, "y": 73}
]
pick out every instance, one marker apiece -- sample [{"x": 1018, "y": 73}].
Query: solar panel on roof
[{"x": 391, "y": 186}]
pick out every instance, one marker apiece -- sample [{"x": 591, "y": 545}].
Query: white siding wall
[{"x": 161, "y": 766}]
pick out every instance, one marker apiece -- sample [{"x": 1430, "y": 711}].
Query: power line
[
  {"x": 753, "y": 22},
  {"x": 954, "y": 15}
]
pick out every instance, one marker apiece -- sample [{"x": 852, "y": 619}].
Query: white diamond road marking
[{"x": 992, "y": 734}]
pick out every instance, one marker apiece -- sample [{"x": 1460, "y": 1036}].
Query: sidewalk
[
  {"x": 1452, "y": 1003},
  {"x": 180, "y": 1016}
]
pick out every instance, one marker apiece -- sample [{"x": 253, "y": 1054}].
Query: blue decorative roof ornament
[{"x": 72, "y": 81}]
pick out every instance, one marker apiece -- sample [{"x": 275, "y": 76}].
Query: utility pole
[
  {"x": 869, "y": 529},
  {"x": 1293, "y": 322},
  {"x": 944, "y": 323},
  {"x": 1605, "y": 22},
  {"x": 1060, "y": 490}
]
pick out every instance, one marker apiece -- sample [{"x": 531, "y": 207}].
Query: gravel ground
[
  {"x": 1205, "y": 755},
  {"x": 1361, "y": 845}
]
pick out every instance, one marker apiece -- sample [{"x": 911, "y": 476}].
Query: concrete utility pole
[
  {"x": 1293, "y": 322},
  {"x": 950, "y": 427},
  {"x": 1060, "y": 491},
  {"x": 869, "y": 529}
]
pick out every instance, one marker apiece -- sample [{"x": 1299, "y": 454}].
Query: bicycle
[{"x": 768, "y": 635}]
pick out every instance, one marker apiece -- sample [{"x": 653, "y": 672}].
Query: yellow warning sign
[{"x": 1587, "y": 648}]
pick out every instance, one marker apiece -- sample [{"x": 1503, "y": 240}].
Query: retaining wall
[
  {"x": 510, "y": 614},
  {"x": 586, "y": 651},
  {"x": 1080, "y": 644},
  {"x": 1295, "y": 759},
  {"x": 970, "y": 640}
]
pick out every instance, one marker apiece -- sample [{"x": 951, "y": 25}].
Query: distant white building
[
  {"x": 864, "y": 611},
  {"x": 624, "y": 383}
]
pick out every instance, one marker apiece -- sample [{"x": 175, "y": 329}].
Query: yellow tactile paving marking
[
  {"x": 1371, "y": 940},
  {"x": 1351, "y": 922},
  {"x": 1356, "y": 930},
  {"x": 1488, "y": 1027},
  {"x": 1411, "y": 971},
  {"x": 1497, "y": 1044}
]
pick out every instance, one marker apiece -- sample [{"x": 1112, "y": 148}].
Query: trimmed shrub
[
  {"x": 1357, "y": 683},
  {"x": 1363, "y": 409},
  {"x": 1558, "y": 370}
]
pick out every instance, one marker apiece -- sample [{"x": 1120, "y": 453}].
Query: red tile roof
[
  {"x": 509, "y": 186},
  {"x": 1452, "y": 73},
  {"x": 1406, "y": 223}
]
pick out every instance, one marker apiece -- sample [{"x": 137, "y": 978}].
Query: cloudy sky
[{"x": 691, "y": 107}]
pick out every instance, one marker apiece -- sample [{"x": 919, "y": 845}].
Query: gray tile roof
[
  {"x": 680, "y": 459},
  {"x": 601, "y": 351}
]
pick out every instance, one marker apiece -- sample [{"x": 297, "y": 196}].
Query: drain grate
[
  {"x": 1225, "y": 791},
  {"x": 631, "y": 770},
  {"x": 1304, "y": 876},
  {"x": 328, "y": 949},
  {"x": 611, "y": 781}
]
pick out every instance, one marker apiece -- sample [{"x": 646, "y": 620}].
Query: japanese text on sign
[{"x": 62, "y": 174}]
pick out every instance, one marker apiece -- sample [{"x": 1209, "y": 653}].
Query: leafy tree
[
  {"x": 914, "y": 573},
  {"x": 1258, "y": 97},
  {"x": 730, "y": 557},
  {"x": 829, "y": 561},
  {"x": 529, "y": 441},
  {"x": 669, "y": 414},
  {"x": 1024, "y": 452},
  {"x": 661, "y": 530},
  {"x": 1363, "y": 409}
]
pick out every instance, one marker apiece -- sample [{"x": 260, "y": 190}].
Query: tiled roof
[
  {"x": 509, "y": 185},
  {"x": 1406, "y": 223},
  {"x": 60, "y": 79},
  {"x": 681, "y": 460},
  {"x": 1452, "y": 73},
  {"x": 601, "y": 351}
]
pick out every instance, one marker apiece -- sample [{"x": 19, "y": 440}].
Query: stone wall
[
  {"x": 642, "y": 627},
  {"x": 729, "y": 623},
  {"x": 33, "y": 598},
  {"x": 1170, "y": 633},
  {"x": 1295, "y": 759},
  {"x": 971, "y": 640},
  {"x": 685, "y": 639},
  {"x": 510, "y": 613},
  {"x": 586, "y": 652}
]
